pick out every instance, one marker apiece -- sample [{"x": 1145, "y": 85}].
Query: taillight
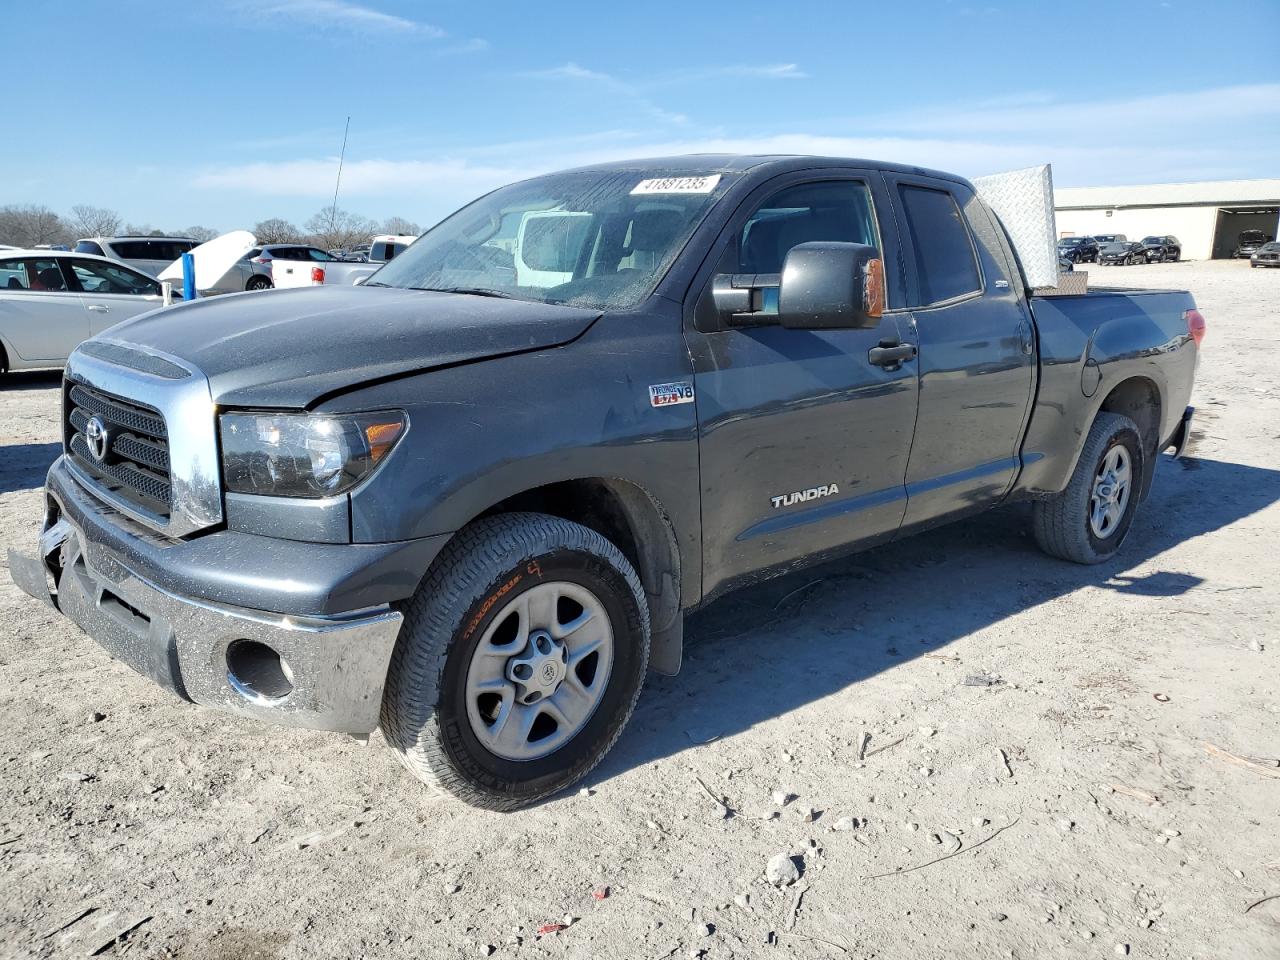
[
  {"x": 317, "y": 276},
  {"x": 259, "y": 260},
  {"x": 1195, "y": 325}
]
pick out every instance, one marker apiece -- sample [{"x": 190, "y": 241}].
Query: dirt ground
[{"x": 1083, "y": 792}]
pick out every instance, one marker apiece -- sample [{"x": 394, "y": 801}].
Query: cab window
[
  {"x": 35, "y": 275},
  {"x": 104, "y": 278},
  {"x": 946, "y": 265},
  {"x": 839, "y": 210}
]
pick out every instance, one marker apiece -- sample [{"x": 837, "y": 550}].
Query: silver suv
[{"x": 148, "y": 254}]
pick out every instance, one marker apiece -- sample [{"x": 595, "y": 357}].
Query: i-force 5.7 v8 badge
[
  {"x": 800, "y": 496},
  {"x": 667, "y": 394}
]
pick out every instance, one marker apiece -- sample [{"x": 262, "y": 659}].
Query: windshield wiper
[
  {"x": 473, "y": 291},
  {"x": 375, "y": 283}
]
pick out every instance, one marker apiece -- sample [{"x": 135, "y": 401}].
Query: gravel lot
[{"x": 1091, "y": 813}]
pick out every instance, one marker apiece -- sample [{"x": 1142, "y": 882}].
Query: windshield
[
  {"x": 1070, "y": 241},
  {"x": 1153, "y": 241},
  {"x": 1271, "y": 247},
  {"x": 1252, "y": 236},
  {"x": 598, "y": 239},
  {"x": 1116, "y": 245}
]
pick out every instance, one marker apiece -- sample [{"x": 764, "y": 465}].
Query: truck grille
[{"x": 126, "y": 451}]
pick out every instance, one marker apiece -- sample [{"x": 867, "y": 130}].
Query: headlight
[{"x": 304, "y": 455}]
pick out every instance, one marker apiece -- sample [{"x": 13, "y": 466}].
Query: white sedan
[{"x": 51, "y": 300}]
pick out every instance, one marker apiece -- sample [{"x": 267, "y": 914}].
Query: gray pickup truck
[{"x": 470, "y": 501}]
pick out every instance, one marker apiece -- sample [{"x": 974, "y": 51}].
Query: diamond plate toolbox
[{"x": 1023, "y": 200}]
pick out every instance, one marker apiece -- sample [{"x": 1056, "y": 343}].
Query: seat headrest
[{"x": 654, "y": 229}]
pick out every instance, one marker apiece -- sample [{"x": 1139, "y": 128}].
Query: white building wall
[{"x": 1194, "y": 226}]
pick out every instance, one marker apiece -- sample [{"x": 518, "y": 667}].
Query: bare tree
[
  {"x": 87, "y": 221},
  {"x": 146, "y": 230},
  {"x": 334, "y": 229},
  {"x": 400, "y": 227},
  {"x": 26, "y": 225},
  {"x": 199, "y": 233},
  {"x": 276, "y": 230}
]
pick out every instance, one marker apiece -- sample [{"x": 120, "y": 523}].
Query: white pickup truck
[{"x": 308, "y": 273}]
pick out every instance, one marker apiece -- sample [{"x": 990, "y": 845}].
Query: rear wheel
[
  {"x": 519, "y": 663},
  {"x": 259, "y": 282},
  {"x": 1088, "y": 521}
]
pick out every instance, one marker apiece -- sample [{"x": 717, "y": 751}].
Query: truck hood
[{"x": 289, "y": 348}]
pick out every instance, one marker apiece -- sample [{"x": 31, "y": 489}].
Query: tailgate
[{"x": 291, "y": 273}]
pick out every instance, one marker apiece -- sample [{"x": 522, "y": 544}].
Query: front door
[
  {"x": 804, "y": 442},
  {"x": 976, "y": 346},
  {"x": 112, "y": 292}
]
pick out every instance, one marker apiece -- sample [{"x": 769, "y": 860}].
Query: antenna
[{"x": 333, "y": 211}]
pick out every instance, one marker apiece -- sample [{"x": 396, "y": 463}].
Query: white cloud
[
  {"x": 615, "y": 86},
  {"x": 1088, "y": 143},
  {"x": 328, "y": 14},
  {"x": 1101, "y": 120},
  {"x": 768, "y": 71},
  {"x": 452, "y": 180}
]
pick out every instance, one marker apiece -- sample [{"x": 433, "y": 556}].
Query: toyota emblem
[{"x": 97, "y": 438}]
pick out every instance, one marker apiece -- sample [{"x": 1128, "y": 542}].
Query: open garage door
[{"x": 1234, "y": 221}]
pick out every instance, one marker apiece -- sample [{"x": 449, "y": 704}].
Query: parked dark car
[
  {"x": 1160, "y": 249},
  {"x": 1105, "y": 238},
  {"x": 1078, "y": 249},
  {"x": 1122, "y": 253},
  {"x": 469, "y": 501},
  {"x": 1249, "y": 241},
  {"x": 1268, "y": 255}
]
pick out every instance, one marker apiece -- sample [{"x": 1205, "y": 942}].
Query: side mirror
[{"x": 830, "y": 285}]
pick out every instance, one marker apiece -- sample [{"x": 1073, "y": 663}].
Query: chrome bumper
[{"x": 334, "y": 666}]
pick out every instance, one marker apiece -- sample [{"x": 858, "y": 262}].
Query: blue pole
[{"x": 188, "y": 277}]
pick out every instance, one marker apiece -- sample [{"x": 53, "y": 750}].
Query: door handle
[
  {"x": 99, "y": 308},
  {"x": 891, "y": 354}
]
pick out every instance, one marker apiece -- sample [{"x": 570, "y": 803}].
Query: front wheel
[
  {"x": 1088, "y": 521},
  {"x": 519, "y": 662}
]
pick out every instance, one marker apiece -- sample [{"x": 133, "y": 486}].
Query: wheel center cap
[{"x": 538, "y": 669}]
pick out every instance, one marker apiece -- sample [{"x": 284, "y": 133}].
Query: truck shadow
[
  {"x": 761, "y": 652},
  {"x": 30, "y": 380},
  {"x": 24, "y": 465}
]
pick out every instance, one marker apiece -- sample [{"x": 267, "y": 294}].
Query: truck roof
[{"x": 776, "y": 163}]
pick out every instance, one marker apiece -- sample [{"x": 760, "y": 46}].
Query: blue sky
[{"x": 222, "y": 112}]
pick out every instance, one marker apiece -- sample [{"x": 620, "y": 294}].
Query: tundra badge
[{"x": 813, "y": 493}]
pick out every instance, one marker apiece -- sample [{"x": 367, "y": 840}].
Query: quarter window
[{"x": 944, "y": 257}]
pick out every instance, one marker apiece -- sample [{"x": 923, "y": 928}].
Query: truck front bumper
[{"x": 324, "y": 671}]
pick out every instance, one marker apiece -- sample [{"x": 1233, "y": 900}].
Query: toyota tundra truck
[{"x": 469, "y": 501}]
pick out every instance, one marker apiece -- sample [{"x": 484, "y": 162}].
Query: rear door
[
  {"x": 41, "y": 318},
  {"x": 977, "y": 357},
  {"x": 804, "y": 441}
]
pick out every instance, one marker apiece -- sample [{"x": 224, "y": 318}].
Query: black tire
[
  {"x": 1061, "y": 522},
  {"x": 424, "y": 715},
  {"x": 259, "y": 282}
]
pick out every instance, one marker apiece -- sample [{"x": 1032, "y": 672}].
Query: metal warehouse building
[{"x": 1207, "y": 217}]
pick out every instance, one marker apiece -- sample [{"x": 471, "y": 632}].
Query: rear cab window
[
  {"x": 88, "y": 246},
  {"x": 942, "y": 249}
]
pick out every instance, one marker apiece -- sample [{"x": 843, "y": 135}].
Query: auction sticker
[
  {"x": 668, "y": 394},
  {"x": 677, "y": 185}
]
